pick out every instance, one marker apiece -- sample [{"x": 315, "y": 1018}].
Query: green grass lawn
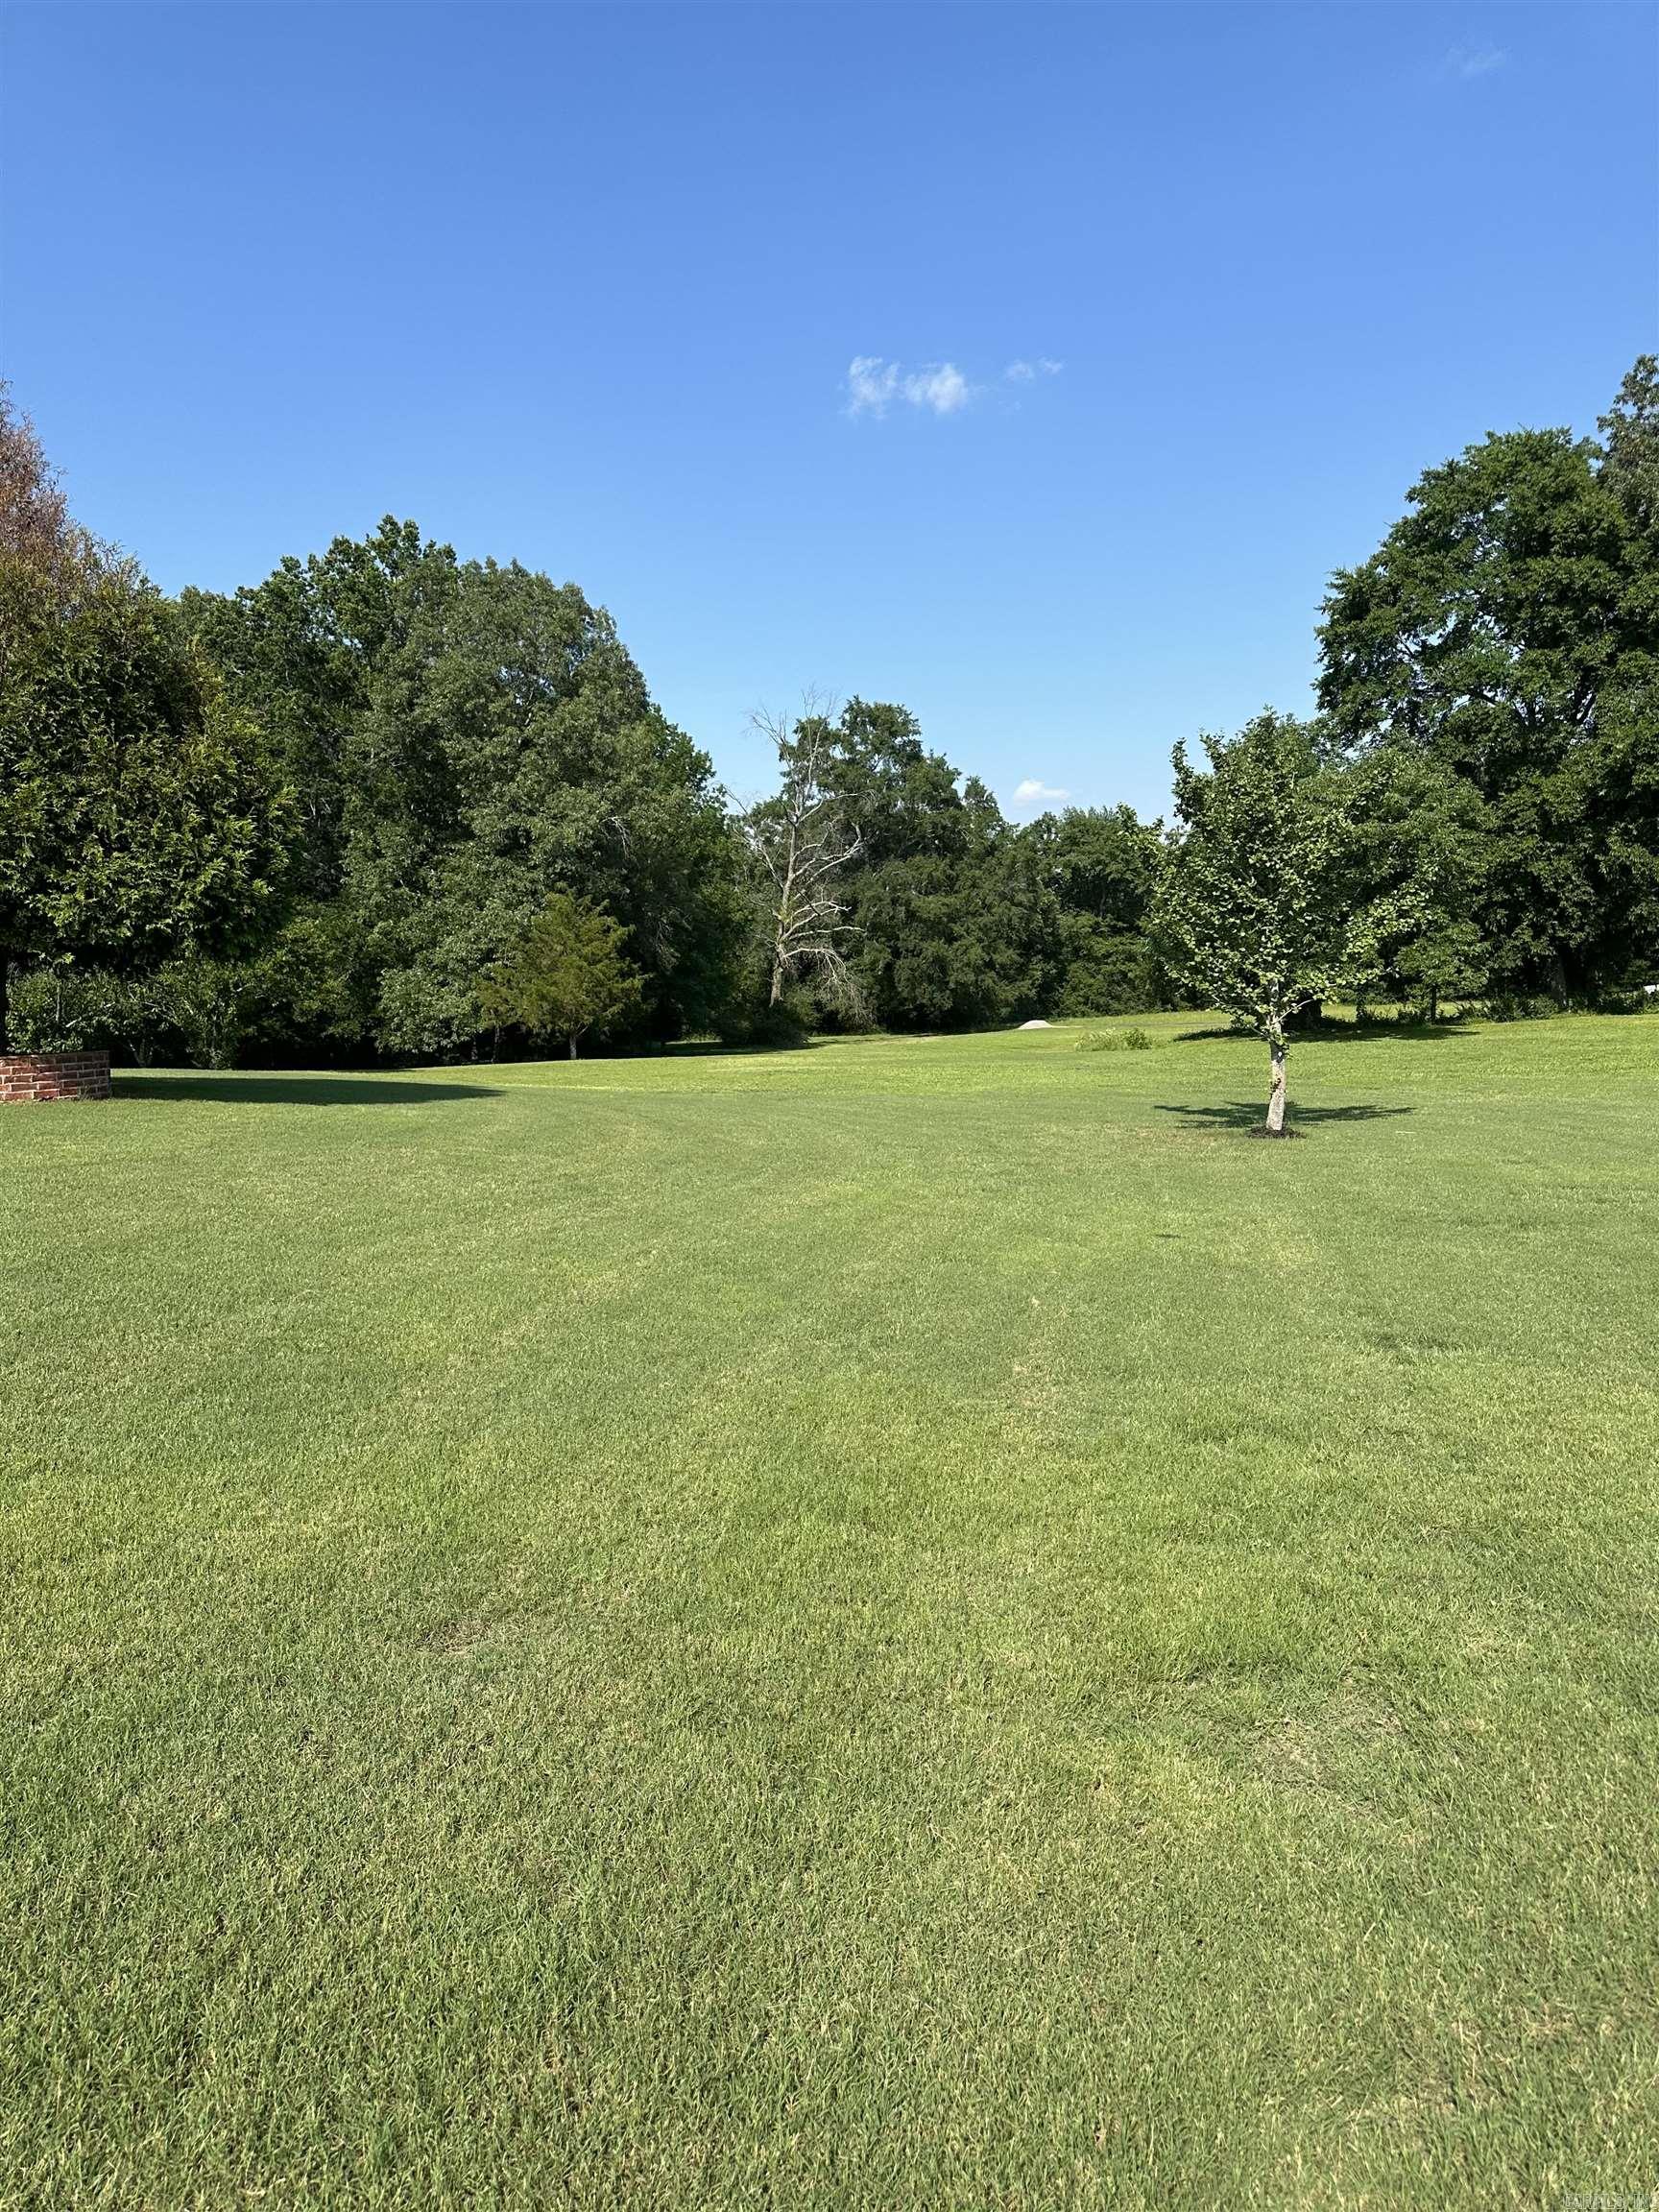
[{"x": 912, "y": 1623}]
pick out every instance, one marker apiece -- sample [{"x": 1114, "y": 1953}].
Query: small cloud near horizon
[
  {"x": 1032, "y": 796},
  {"x": 1028, "y": 371},
  {"x": 1467, "y": 60}
]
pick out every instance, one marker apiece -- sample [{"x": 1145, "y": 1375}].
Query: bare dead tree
[{"x": 803, "y": 842}]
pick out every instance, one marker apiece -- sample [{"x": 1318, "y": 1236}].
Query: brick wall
[{"x": 44, "y": 1076}]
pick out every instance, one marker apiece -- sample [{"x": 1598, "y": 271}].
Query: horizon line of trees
[{"x": 389, "y": 804}]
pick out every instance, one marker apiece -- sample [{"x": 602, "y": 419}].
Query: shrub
[
  {"x": 62, "y": 1008},
  {"x": 1135, "y": 1040},
  {"x": 210, "y": 1004},
  {"x": 781, "y": 1028},
  {"x": 749, "y": 1024},
  {"x": 57, "y": 1009}
]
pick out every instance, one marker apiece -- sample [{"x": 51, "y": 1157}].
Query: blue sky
[{"x": 587, "y": 286}]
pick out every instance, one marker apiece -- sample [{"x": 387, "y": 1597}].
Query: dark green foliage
[
  {"x": 752, "y": 1023},
  {"x": 141, "y": 815},
  {"x": 949, "y": 919},
  {"x": 1515, "y": 1006},
  {"x": 1104, "y": 865},
  {"x": 211, "y": 1013},
  {"x": 61, "y": 1008},
  {"x": 1417, "y": 854},
  {"x": 469, "y": 738},
  {"x": 1507, "y": 632},
  {"x": 958, "y": 919},
  {"x": 1631, "y": 444}
]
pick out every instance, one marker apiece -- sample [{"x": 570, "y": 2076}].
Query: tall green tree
[
  {"x": 1631, "y": 444},
  {"x": 1505, "y": 630},
  {"x": 1103, "y": 865},
  {"x": 470, "y": 737},
  {"x": 953, "y": 924},
  {"x": 140, "y": 813},
  {"x": 1418, "y": 851},
  {"x": 1620, "y": 776}
]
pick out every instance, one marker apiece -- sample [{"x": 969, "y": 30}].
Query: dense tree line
[
  {"x": 944, "y": 914},
  {"x": 389, "y": 803},
  {"x": 1492, "y": 675}
]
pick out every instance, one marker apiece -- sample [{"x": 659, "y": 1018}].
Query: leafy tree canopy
[
  {"x": 140, "y": 812},
  {"x": 472, "y": 736},
  {"x": 565, "y": 975},
  {"x": 1507, "y": 630},
  {"x": 1255, "y": 903}
]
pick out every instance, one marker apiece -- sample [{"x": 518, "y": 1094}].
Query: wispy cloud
[
  {"x": 1468, "y": 59},
  {"x": 874, "y": 384},
  {"x": 1032, "y": 796}
]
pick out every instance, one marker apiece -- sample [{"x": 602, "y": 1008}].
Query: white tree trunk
[{"x": 1278, "y": 1053}]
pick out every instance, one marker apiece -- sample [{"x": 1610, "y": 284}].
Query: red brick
[{"x": 48, "y": 1078}]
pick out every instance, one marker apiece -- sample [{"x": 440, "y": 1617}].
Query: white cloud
[
  {"x": 1467, "y": 60},
  {"x": 944, "y": 388},
  {"x": 871, "y": 384},
  {"x": 874, "y": 384},
  {"x": 1032, "y": 796}
]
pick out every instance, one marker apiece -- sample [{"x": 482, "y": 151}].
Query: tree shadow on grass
[
  {"x": 1337, "y": 1033},
  {"x": 1251, "y": 1119},
  {"x": 278, "y": 1090},
  {"x": 712, "y": 1048}
]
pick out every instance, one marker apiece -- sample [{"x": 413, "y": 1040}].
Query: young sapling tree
[
  {"x": 566, "y": 973},
  {"x": 1254, "y": 906}
]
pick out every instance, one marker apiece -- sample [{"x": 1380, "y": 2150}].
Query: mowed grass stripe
[{"x": 898, "y": 1623}]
